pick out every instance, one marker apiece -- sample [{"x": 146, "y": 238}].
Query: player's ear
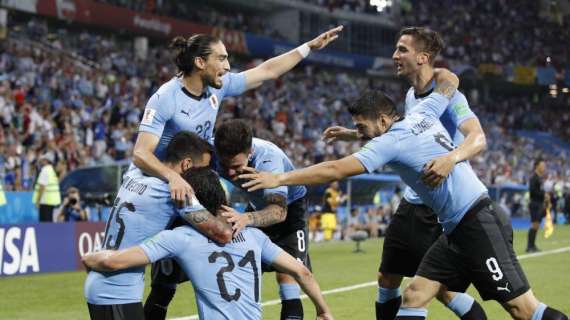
[
  {"x": 200, "y": 63},
  {"x": 422, "y": 58},
  {"x": 186, "y": 164}
]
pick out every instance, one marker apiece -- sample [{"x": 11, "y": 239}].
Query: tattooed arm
[
  {"x": 213, "y": 227},
  {"x": 274, "y": 212},
  {"x": 446, "y": 82}
]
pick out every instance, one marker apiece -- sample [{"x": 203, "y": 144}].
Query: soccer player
[
  {"x": 414, "y": 227},
  {"x": 537, "y": 204},
  {"x": 226, "y": 278},
  {"x": 143, "y": 208},
  {"x": 476, "y": 244},
  {"x": 190, "y": 101},
  {"x": 280, "y": 212}
]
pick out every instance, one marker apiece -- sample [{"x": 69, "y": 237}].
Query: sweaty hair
[
  {"x": 187, "y": 50},
  {"x": 233, "y": 137},
  {"x": 186, "y": 144},
  {"x": 371, "y": 104},
  {"x": 425, "y": 40},
  {"x": 207, "y": 188}
]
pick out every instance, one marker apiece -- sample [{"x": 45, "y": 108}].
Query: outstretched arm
[
  {"x": 323, "y": 172},
  {"x": 285, "y": 263},
  {"x": 110, "y": 260},
  {"x": 275, "y": 67}
]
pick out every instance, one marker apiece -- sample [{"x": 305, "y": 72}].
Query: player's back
[
  {"x": 141, "y": 209},
  {"x": 456, "y": 112},
  {"x": 420, "y": 139},
  {"x": 227, "y": 278}
]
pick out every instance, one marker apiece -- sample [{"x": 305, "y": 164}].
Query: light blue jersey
[
  {"x": 173, "y": 109},
  {"x": 143, "y": 208},
  {"x": 409, "y": 145},
  {"x": 266, "y": 156},
  {"x": 455, "y": 114},
  {"x": 226, "y": 278}
]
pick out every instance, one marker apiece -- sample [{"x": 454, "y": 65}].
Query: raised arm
[
  {"x": 110, "y": 260},
  {"x": 275, "y": 67},
  {"x": 285, "y": 263},
  {"x": 323, "y": 172}
]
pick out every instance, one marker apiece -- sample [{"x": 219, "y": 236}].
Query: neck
[
  {"x": 422, "y": 79},
  {"x": 193, "y": 83},
  {"x": 175, "y": 167},
  {"x": 537, "y": 173}
]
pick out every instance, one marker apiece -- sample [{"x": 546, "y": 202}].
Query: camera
[{"x": 72, "y": 201}]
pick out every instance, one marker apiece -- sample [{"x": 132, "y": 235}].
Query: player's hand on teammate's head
[
  {"x": 339, "y": 133},
  {"x": 236, "y": 219},
  {"x": 436, "y": 171},
  {"x": 259, "y": 180},
  {"x": 325, "y": 38},
  {"x": 180, "y": 191}
]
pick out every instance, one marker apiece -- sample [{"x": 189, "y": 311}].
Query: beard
[{"x": 210, "y": 81}]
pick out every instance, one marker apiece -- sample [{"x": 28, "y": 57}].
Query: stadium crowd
[{"x": 84, "y": 107}]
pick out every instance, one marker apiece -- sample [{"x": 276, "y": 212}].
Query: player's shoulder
[
  {"x": 263, "y": 149},
  {"x": 169, "y": 88},
  {"x": 255, "y": 233}
]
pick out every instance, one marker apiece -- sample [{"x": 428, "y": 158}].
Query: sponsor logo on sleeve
[
  {"x": 148, "y": 116},
  {"x": 214, "y": 102}
]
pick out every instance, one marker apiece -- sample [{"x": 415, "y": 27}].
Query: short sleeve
[
  {"x": 157, "y": 112},
  {"x": 274, "y": 165},
  {"x": 194, "y": 206},
  {"x": 378, "y": 152},
  {"x": 433, "y": 105},
  {"x": 269, "y": 250},
  {"x": 165, "y": 244},
  {"x": 460, "y": 110},
  {"x": 233, "y": 84}
]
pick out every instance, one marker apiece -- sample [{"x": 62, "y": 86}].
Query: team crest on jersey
[
  {"x": 214, "y": 102},
  {"x": 148, "y": 116}
]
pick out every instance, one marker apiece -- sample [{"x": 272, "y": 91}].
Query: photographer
[{"x": 71, "y": 209}]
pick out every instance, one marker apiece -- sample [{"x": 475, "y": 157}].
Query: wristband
[{"x": 304, "y": 50}]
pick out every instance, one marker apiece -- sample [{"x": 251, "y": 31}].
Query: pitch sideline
[{"x": 373, "y": 283}]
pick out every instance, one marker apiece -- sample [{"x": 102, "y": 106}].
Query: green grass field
[{"x": 60, "y": 295}]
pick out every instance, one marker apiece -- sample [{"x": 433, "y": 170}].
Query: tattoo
[
  {"x": 274, "y": 212},
  {"x": 446, "y": 88},
  {"x": 213, "y": 227},
  {"x": 199, "y": 216}
]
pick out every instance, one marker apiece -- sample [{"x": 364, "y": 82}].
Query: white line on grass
[{"x": 373, "y": 283}]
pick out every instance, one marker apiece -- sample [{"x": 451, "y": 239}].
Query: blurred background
[{"x": 75, "y": 76}]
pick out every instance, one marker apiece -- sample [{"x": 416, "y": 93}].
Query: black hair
[
  {"x": 537, "y": 162},
  {"x": 371, "y": 104},
  {"x": 233, "y": 137},
  {"x": 425, "y": 40},
  {"x": 186, "y": 144},
  {"x": 207, "y": 188},
  {"x": 187, "y": 50}
]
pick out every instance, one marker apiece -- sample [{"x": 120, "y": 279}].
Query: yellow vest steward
[
  {"x": 51, "y": 195},
  {"x": 2, "y": 196}
]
